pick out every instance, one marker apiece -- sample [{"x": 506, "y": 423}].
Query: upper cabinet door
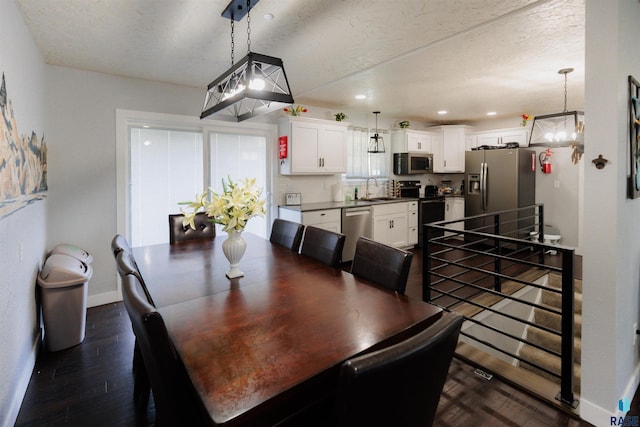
[
  {"x": 304, "y": 156},
  {"x": 332, "y": 149},
  {"x": 449, "y": 148}
]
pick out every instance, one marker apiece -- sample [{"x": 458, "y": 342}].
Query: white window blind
[{"x": 360, "y": 163}]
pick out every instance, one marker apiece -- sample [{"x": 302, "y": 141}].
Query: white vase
[{"x": 233, "y": 249}]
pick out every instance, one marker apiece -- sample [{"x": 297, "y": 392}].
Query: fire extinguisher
[{"x": 545, "y": 160}]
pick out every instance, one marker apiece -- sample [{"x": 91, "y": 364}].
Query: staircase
[{"x": 550, "y": 341}]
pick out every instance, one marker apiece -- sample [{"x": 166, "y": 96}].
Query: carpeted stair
[{"x": 548, "y": 340}]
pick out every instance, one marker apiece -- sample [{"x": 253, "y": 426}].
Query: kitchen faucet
[{"x": 366, "y": 192}]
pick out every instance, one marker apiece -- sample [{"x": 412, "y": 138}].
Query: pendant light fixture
[
  {"x": 255, "y": 85},
  {"x": 559, "y": 129},
  {"x": 376, "y": 142}
]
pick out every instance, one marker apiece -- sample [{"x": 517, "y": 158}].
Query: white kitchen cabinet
[
  {"x": 328, "y": 219},
  {"x": 412, "y": 223},
  {"x": 314, "y": 147},
  {"x": 390, "y": 224},
  {"x": 500, "y": 137},
  {"x": 406, "y": 140},
  {"x": 454, "y": 209},
  {"x": 449, "y": 148}
]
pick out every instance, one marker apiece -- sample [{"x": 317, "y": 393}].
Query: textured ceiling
[{"x": 411, "y": 58}]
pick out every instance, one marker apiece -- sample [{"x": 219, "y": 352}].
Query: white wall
[
  {"x": 81, "y": 129},
  {"x": 611, "y": 267},
  {"x": 559, "y": 191},
  {"x": 23, "y": 67}
]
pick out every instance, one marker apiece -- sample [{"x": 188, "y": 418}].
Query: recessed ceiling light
[
  {"x": 361, "y": 96},
  {"x": 442, "y": 112},
  {"x": 147, "y": 143},
  {"x": 269, "y": 16},
  {"x": 491, "y": 113},
  {"x": 146, "y": 126}
]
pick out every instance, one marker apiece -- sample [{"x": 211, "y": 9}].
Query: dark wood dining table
[{"x": 258, "y": 347}]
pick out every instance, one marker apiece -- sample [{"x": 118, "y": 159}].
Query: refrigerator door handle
[
  {"x": 485, "y": 193},
  {"x": 482, "y": 186}
]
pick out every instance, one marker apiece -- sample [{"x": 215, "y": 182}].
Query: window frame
[{"x": 126, "y": 119}]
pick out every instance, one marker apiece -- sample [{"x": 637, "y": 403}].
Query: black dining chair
[
  {"x": 119, "y": 243},
  {"x": 126, "y": 265},
  {"x": 174, "y": 397},
  {"x": 381, "y": 264},
  {"x": 286, "y": 233},
  {"x": 323, "y": 245},
  {"x": 399, "y": 385},
  {"x": 178, "y": 232}
]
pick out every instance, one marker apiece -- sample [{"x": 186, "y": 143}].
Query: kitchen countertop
[{"x": 319, "y": 206}]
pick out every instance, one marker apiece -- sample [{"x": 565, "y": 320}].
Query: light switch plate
[{"x": 292, "y": 199}]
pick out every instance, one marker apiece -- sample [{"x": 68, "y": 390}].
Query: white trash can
[
  {"x": 551, "y": 237},
  {"x": 74, "y": 251},
  {"x": 63, "y": 283}
]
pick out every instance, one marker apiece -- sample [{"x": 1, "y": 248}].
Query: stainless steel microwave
[{"x": 412, "y": 163}]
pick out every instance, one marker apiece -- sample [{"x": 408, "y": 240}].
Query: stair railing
[{"x": 461, "y": 265}]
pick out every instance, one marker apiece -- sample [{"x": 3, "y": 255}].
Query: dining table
[{"x": 257, "y": 348}]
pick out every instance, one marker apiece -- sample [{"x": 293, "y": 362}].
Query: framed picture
[
  {"x": 634, "y": 138},
  {"x": 292, "y": 199}
]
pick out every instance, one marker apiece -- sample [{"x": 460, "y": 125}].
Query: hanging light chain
[
  {"x": 565, "y": 92},
  {"x": 232, "y": 42},
  {"x": 248, "y": 26},
  {"x": 565, "y": 71}
]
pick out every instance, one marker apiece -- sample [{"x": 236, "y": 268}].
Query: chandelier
[
  {"x": 558, "y": 129},
  {"x": 254, "y": 85}
]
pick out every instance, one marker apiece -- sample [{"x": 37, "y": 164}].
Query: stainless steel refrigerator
[{"x": 497, "y": 180}]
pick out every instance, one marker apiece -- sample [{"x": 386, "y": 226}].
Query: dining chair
[
  {"x": 323, "y": 245},
  {"x": 119, "y": 243},
  {"x": 174, "y": 397},
  {"x": 381, "y": 264},
  {"x": 399, "y": 385},
  {"x": 286, "y": 233},
  {"x": 178, "y": 232},
  {"x": 126, "y": 265}
]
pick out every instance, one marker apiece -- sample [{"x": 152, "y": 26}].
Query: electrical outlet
[{"x": 556, "y": 183}]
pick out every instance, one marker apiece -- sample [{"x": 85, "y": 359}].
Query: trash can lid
[
  {"x": 61, "y": 270},
  {"x": 73, "y": 251}
]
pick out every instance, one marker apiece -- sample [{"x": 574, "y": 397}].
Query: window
[
  {"x": 166, "y": 168},
  {"x": 240, "y": 156},
  {"x": 360, "y": 163},
  {"x": 164, "y": 159}
]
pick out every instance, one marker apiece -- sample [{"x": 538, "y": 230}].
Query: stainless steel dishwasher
[{"x": 356, "y": 222}]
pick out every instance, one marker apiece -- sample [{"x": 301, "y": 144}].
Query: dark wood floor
[{"x": 92, "y": 384}]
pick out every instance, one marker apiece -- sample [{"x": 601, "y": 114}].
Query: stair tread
[{"x": 552, "y": 341}]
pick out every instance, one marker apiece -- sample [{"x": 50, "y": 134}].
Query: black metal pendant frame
[{"x": 233, "y": 90}]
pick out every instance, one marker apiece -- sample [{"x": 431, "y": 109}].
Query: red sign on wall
[{"x": 283, "y": 147}]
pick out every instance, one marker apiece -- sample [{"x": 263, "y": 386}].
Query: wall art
[
  {"x": 23, "y": 162},
  {"x": 634, "y": 138}
]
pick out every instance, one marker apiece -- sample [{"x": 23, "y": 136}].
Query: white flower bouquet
[{"x": 238, "y": 202}]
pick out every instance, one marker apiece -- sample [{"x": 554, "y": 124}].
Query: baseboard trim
[
  {"x": 23, "y": 381},
  {"x": 102, "y": 299},
  {"x": 599, "y": 416},
  {"x": 594, "y": 414}
]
